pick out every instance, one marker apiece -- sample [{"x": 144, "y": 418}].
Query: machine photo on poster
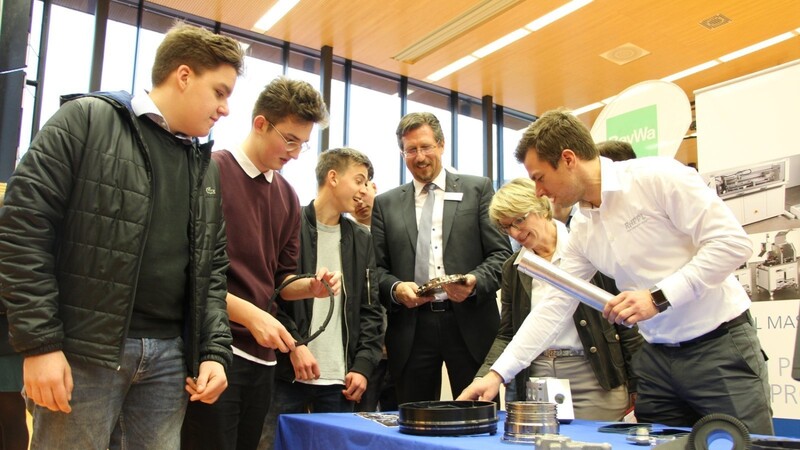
[
  {"x": 753, "y": 192},
  {"x": 773, "y": 272}
]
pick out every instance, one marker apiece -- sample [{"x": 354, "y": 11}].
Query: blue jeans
[
  {"x": 139, "y": 406},
  {"x": 299, "y": 397}
]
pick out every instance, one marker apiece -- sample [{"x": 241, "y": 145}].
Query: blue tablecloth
[{"x": 349, "y": 431}]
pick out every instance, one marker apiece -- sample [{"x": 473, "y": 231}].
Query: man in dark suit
[{"x": 457, "y": 326}]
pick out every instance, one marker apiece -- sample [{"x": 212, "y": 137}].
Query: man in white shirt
[{"x": 671, "y": 245}]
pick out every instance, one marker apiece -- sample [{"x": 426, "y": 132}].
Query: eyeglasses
[
  {"x": 424, "y": 149},
  {"x": 516, "y": 223},
  {"x": 291, "y": 145}
]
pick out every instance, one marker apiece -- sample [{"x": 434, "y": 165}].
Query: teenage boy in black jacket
[{"x": 330, "y": 373}]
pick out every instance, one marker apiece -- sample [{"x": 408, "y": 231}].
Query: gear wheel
[
  {"x": 715, "y": 426},
  {"x": 437, "y": 284}
]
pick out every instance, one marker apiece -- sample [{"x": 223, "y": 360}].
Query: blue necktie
[{"x": 424, "y": 237}]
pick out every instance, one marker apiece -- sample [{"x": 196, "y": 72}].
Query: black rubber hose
[{"x": 330, "y": 306}]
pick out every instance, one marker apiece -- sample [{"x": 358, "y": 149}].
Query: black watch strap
[{"x": 659, "y": 300}]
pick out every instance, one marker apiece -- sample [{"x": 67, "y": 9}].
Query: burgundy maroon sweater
[{"x": 263, "y": 229}]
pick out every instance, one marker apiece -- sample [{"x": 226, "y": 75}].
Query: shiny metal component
[
  {"x": 538, "y": 267},
  {"x": 448, "y": 418},
  {"x": 436, "y": 285},
  {"x": 529, "y": 419}
]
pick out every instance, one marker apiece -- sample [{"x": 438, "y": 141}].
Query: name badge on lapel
[{"x": 453, "y": 196}]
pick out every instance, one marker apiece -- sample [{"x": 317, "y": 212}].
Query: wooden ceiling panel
[{"x": 559, "y": 65}]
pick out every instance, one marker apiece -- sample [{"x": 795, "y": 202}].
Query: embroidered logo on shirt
[
  {"x": 211, "y": 191},
  {"x": 635, "y": 222}
]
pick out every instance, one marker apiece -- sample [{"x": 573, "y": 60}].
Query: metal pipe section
[{"x": 534, "y": 265}]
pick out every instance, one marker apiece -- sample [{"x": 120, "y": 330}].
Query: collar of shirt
[
  {"x": 609, "y": 182},
  {"x": 562, "y": 240},
  {"x": 143, "y": 105},
  {"x": 439, "y": 181},
  {"x": 249, "y": 168}
]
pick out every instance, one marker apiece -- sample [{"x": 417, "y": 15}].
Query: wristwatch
[{"x": 659, "y": 300}]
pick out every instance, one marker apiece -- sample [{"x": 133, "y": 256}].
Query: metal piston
[
  {"x": 525, "y": 420},
  {"x": 538, "y": 267}
]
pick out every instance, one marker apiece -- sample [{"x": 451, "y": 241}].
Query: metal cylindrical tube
[{"x": 538, "y": 267}]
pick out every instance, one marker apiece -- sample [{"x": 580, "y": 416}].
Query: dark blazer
[
  {"x": 362, "y": 314},
  {"x": 471, "y": 243},
  {"x": 608, "y": 347}
]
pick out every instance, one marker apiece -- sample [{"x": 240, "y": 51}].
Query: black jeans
[{"x": 235, "y": 420}]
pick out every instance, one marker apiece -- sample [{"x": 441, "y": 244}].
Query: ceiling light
[
  {"x": 587, "y": 108},
  {"x": 502, "y": 42},
  {"x": 467, "y": 21},
  {"x": 274, "y": 14},
  {"x": 704, "y": 66},
  {"x": 458, "y": 65},
  {"x": 756, "y": 47},
  {"x": 514, "y": 36},
  {"x": 692, "y": 70},
  {"x": 556, "y": 14}
]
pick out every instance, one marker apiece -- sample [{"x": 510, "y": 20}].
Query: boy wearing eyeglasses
[{"x": 262, "y": 212}]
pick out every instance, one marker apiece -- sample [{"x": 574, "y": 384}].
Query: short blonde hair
[{"x": 516, "y": 198}]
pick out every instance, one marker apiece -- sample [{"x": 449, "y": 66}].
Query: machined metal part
[
  {"x": 436, "y": 285},
  {"x": 538, "y": 267},
  {"x": 448, "y": 418},
  {"x": 711, "y": 428},
  {"x": 557, "y": 442},
  {"x": 525, "y": 420}
]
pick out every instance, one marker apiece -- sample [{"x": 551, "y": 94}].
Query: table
[{"x": 349, "y": 431}]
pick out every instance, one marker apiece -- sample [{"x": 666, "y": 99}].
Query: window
[
  {"x": 69, "y": 57},
  {"x": 337, "y": 107},
  {"x": 261, "y": 65},
  {"x": 513, "y": 128},
  {"x": 301, "y": 173},
  {"x": 372, "y": 98},
  {"x": 471, "y": 153},
  {"x": 374, "y": 114},
  {"x": 29, "y": 92},
  {"x": 421, "y": 99},
  {"x": 120, "y": 49}
]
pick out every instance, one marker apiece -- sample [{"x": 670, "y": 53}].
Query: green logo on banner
[{"x": 638, "y": 127}]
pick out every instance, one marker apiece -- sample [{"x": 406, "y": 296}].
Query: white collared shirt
[
  {"x": 249, "y": 168},
  {"x": 658, "y": 224},
  {"x": 567, "y": 337},
  {"x": 436, "y": 265},
  {"x": 143, "y": 105}
]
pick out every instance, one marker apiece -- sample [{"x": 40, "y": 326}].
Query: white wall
[{"x": 750, "y": 119}]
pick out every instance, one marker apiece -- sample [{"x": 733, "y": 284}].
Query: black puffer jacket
[
  {"x": 73, "y": 231},
  {"x": 363, "y": 313}
]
